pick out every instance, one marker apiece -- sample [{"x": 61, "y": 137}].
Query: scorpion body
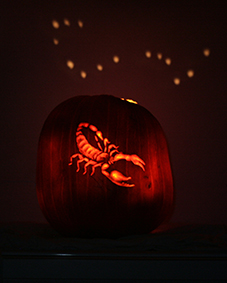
[{"x": 102, "y": 157}]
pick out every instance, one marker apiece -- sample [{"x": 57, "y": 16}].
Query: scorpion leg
[
  {"x": 79, "y": 161},
  {"x": 106, "y": 142},
  {"x": 98, "y": 143},
  {"x": 94, "y": 166},
  {"x": 90, "y": 162},
  {"x": 113, "y": 146},
  {"x": 74, "y": 156}
]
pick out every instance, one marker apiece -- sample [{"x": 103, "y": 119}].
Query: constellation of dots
[{"x": 116, "y": 59}]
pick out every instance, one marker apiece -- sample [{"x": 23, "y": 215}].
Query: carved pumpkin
[{"x": 103, "y": 168}]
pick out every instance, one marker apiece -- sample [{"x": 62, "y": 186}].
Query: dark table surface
[{"x": 177, "y": 239}]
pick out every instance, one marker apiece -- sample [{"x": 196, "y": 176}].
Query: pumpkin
[{"x": 103, "y": 169}]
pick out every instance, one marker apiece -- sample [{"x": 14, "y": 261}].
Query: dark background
[{"x": 35, "y": 79}]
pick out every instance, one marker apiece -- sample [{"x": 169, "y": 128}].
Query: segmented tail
[{"x": 83, "y": 145}]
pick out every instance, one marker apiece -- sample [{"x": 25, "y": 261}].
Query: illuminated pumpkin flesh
[{"x": 103, "y": 168}]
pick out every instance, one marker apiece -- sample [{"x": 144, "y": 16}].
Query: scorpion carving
[{"x": 102, "y": 157}]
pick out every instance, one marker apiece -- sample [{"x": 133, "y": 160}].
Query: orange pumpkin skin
[{"x": 83, "y": 205}]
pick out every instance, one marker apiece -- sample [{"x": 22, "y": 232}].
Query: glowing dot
[
  {"x": 159, "y": 56},
  {"x": 190, "y": 73},
  {"x": 168, "y": 61},
  {"x": 56, "y": 41},
  {"x": 80, "y": 23},
  {"x": 99, "y": 67},
  {"x": 55, "y": 24},
  {"x": 70, "y": 64},
  {"x": 176, "y": 81},
  {"x": 116, "y": 59},
  {"x": 67, "y": 22},
  {"x": 83, "y": 74},
  {"x": 148, "y": 54},
  {"x": 206, "y": 52}
]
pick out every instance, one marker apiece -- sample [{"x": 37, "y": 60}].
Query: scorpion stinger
[{"x": 102, "y": 157}]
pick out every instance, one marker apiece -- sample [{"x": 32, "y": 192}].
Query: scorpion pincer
[{"x": 102, "y": 157}]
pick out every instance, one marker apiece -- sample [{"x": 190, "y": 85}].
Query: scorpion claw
[
  {"x": 137, "y": 161},
  {"x": 119, "y": 179}
]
